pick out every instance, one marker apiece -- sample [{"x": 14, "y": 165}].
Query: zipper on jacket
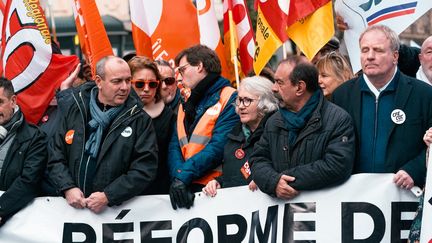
[
  {"x": 375, "y": 131},
  {"x": 85, "y": 175},
  {"x": 83, "y": 116}
]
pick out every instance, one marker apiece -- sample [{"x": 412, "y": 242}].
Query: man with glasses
[
  {"x": 204, "y": 119},
  {"x": 104, "y": 151},
  {"x": 169, "y": 91},
  {"x": 308, "y": 144}
]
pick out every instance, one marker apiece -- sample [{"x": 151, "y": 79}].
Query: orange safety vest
[{"x": 202, "y": 133}]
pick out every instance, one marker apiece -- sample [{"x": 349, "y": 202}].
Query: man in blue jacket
[
  {"x": 204, "y": 119},
  {"x": 391, "y": 111}
]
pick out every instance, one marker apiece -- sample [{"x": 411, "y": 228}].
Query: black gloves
[{"x": 180, "y": 195}]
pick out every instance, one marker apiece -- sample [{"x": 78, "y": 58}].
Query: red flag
[
  {"x": 27, "y": 58},
  {"x": 242, "y": 42},
  {"x": 91, "y": 32}
]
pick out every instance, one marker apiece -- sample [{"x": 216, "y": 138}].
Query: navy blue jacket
[{"x": 405, "y": 149}]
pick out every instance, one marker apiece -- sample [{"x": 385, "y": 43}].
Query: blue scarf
[
  {"x": 99, "y": 122},
  {"x": 294, "y": 122}
]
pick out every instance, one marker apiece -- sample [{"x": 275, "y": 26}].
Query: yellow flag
[{"x": 312, "y": 32}]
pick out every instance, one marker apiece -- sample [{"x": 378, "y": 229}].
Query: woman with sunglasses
[
  {"x": 333, "y": 71},
  {"x": 254, "y": 104},
  {"x": 146, "y": 83}
]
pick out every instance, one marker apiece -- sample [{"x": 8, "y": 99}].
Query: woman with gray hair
[{"x": 254, "y": 104}]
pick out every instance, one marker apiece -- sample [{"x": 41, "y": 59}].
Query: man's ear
[
  {"x": 200, "y": 67},
  {"x": 13, "y": 99},
  {"x": 301, "y": 88},
  {"x": 98, "y": 81}
]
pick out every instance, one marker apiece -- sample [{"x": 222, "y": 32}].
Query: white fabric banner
[
  {"x": 368, "y": 207},
  {"x": 426, "y": 226},
  {"x": 397, "y": 15}
]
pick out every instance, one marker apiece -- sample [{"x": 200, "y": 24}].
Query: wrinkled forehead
[{"x": 427, "y": 44}]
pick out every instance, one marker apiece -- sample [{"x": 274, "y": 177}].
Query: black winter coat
[
  {"x": 231, "y": 175},
  {"x": 127, "y": 160},
  {"x": 22, "y": 170},
  {"x": 322, "y": 155}
]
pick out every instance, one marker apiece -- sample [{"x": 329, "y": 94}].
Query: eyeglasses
[
  {"x": 140, "y": 84},
  {"x": 246, "y": 101},
  {"x": 169, "y": 80},
  {"x": 183, "y": 68}
]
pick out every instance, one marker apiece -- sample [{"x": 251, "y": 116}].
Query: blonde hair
[{"x": 337, "y": 65}]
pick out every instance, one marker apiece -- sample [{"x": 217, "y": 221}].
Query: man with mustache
[{"x": 308, "y": 144}]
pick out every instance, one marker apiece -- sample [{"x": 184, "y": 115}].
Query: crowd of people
[{"x": 143, "y": 127}]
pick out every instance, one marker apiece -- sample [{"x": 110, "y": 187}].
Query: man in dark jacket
[
  {"x": 104, "y": 151},
  {"x": 22, "y": 155},
  {"x": 391, "y": 111},
  {"x": 308, "y": 144},
  {"x": 203, "y": 122}
]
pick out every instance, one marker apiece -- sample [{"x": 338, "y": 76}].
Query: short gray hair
[
  {"x": 100, "y": 65},
  {"x": 261, "y": 87},
  {"x": 389, "y": 33}
]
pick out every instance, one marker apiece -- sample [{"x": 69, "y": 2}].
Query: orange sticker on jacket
[{"x": 69, "y": 136}]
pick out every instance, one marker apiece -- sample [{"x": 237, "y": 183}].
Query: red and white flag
[
  {"x": 27, "y": 59},
  {"x": 238, "y": 33}
]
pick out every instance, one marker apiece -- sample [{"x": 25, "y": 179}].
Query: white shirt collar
[{"x": 374, "y": 90}]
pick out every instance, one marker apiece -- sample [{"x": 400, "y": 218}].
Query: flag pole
[
  {"x": 285, "y": 54},
  {"x": 53, "y": 25},
  {"x": 233, "y": 47}
]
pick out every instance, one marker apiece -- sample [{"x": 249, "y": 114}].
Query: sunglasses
[
  {"x": 169, "y": 80},
  {"x": 140, "y": 84}
]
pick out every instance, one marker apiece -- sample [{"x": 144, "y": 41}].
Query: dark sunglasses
[
  {"x": 140, "y": 84},
  {"x": 169, "y": 80}
]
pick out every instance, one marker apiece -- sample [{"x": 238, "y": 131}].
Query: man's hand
[
  {"x": 283, "y": 190},
  {"x": 97, "y": 202},
  {"x": 253, "y": 186},
  {"x": 427, "y": 138},
  {"x": 403, "y": 180},
  {"x": 180, "y": 195},
  {"x": 67, "y": 83},
  {"x": 75, "y": 197},
  {"x": 211, "y": 188}
]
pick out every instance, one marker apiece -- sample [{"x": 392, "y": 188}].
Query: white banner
[
  {"x": 368, "y": 207},
  {"x": 426, "y": 226},
  {"x": 397, "y": 15}
]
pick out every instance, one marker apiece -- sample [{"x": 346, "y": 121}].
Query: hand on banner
[
  {"x": 75, "y": 197},
  {"x": 403, "y": 180},
  {"x": 340, "y": 23},
  {"x": 211, "y": 188},
  {"x": 97, "y": 202},
  {"x": 252, "y": 186},
  {"x": 67, "y": 83},
  {"x": 283, "y": 190},
  {"x": 180, "y": 195},
  {"x": 427, "y": 138}
]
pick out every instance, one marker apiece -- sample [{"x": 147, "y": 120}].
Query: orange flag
[
  {"x": 163, "y": 28},
  {"x": 91, "y": 32},
  {"x": 27, "y": 58},
  {"x": 270, "y": 31},
  {"x": 238, "y": 35},
  {"x": 314, "y": 18}
]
